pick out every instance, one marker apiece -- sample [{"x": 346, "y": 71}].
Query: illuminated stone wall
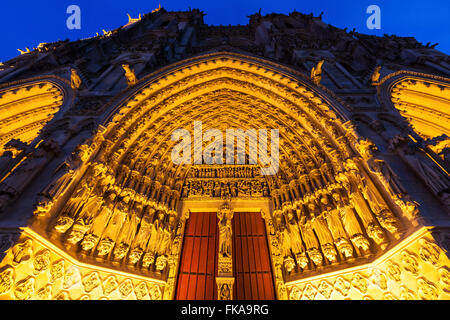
[
  {"x": 415, "y": 269},
  {"x": 36, "y": 269},
  {"x": 25, "y": 109}
]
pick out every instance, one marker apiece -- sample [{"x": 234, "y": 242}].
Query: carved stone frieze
[
  {"x": 50, "y": 275},
  {"x": 400, "y": 275}
]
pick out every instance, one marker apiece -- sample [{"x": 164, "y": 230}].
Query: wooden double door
[{"x": 251, "y": 260}]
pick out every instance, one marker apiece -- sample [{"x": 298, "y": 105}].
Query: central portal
[{"x": 199, "y": 258}]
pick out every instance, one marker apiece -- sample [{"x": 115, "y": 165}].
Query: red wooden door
[
  {"x": 251, "y": 260},
  {"x": 198, "y": 265}
]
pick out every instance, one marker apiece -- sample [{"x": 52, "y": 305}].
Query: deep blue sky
[{"x": 26, "y": 23}]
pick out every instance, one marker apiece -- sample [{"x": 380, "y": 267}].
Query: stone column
[{"x": 175, "y": 257}]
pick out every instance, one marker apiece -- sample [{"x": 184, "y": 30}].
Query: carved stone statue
[
  {"x": 144, "y": 232},
  {"x": 225, "y": 292},
  {"x": 129, "y": 75},
  {"x": 296, "y": 243},
  {"x": 326, "y": 240},
  {"x": 117, "y": 219},
  {"x": 74, "y": 204},
  {"x": 366, "y": 148},
  {"x": 338, "y": 232},
  {"x": 161, "y": 263},
  {"x": 100, "y": 221},
  {"x": 365, "y": 213},
  {"x": 433, "y": 176},
  {"x": 25, "y": 171},
  {"x": 64, "y": 173},
  {"x": 376, "y": 76},
  {"x": 128, "y": 230},
  {"x": 316, "y": 72},
  {"x": 75, "y": 80},
  {"x": 350, "y": 223},
  {"x": 382, "y": 212},
  {"x": 388, "y": 177},
  {"x": 79, "y": 229},
  {"x": 311, "y": 242},
  {"x": 225, "y": 232}
]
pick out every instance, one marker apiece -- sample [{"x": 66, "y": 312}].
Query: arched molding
[
  {"x": 171, "y": 77},
  {"x": 288, "y": 74},
  {"x": 423, "y": 99},
  {"x": 26, "y": 106}
]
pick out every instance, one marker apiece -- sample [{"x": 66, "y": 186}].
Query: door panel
[
  {"x": 196, "y": 280},
  {"x": 251, "y": 261}
]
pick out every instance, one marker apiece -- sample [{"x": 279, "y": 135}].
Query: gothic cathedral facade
[{"x": 93, "y": 207}]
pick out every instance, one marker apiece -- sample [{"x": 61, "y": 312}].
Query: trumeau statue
[{"x": 225, "y": 232}]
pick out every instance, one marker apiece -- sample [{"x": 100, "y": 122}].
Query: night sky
[{"x": 26, "y": 23}]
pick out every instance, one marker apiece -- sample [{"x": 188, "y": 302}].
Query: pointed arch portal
[{"x": 126, "y": 205}]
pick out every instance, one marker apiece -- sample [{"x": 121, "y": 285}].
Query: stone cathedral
[{"x": 93, "y": 207}]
